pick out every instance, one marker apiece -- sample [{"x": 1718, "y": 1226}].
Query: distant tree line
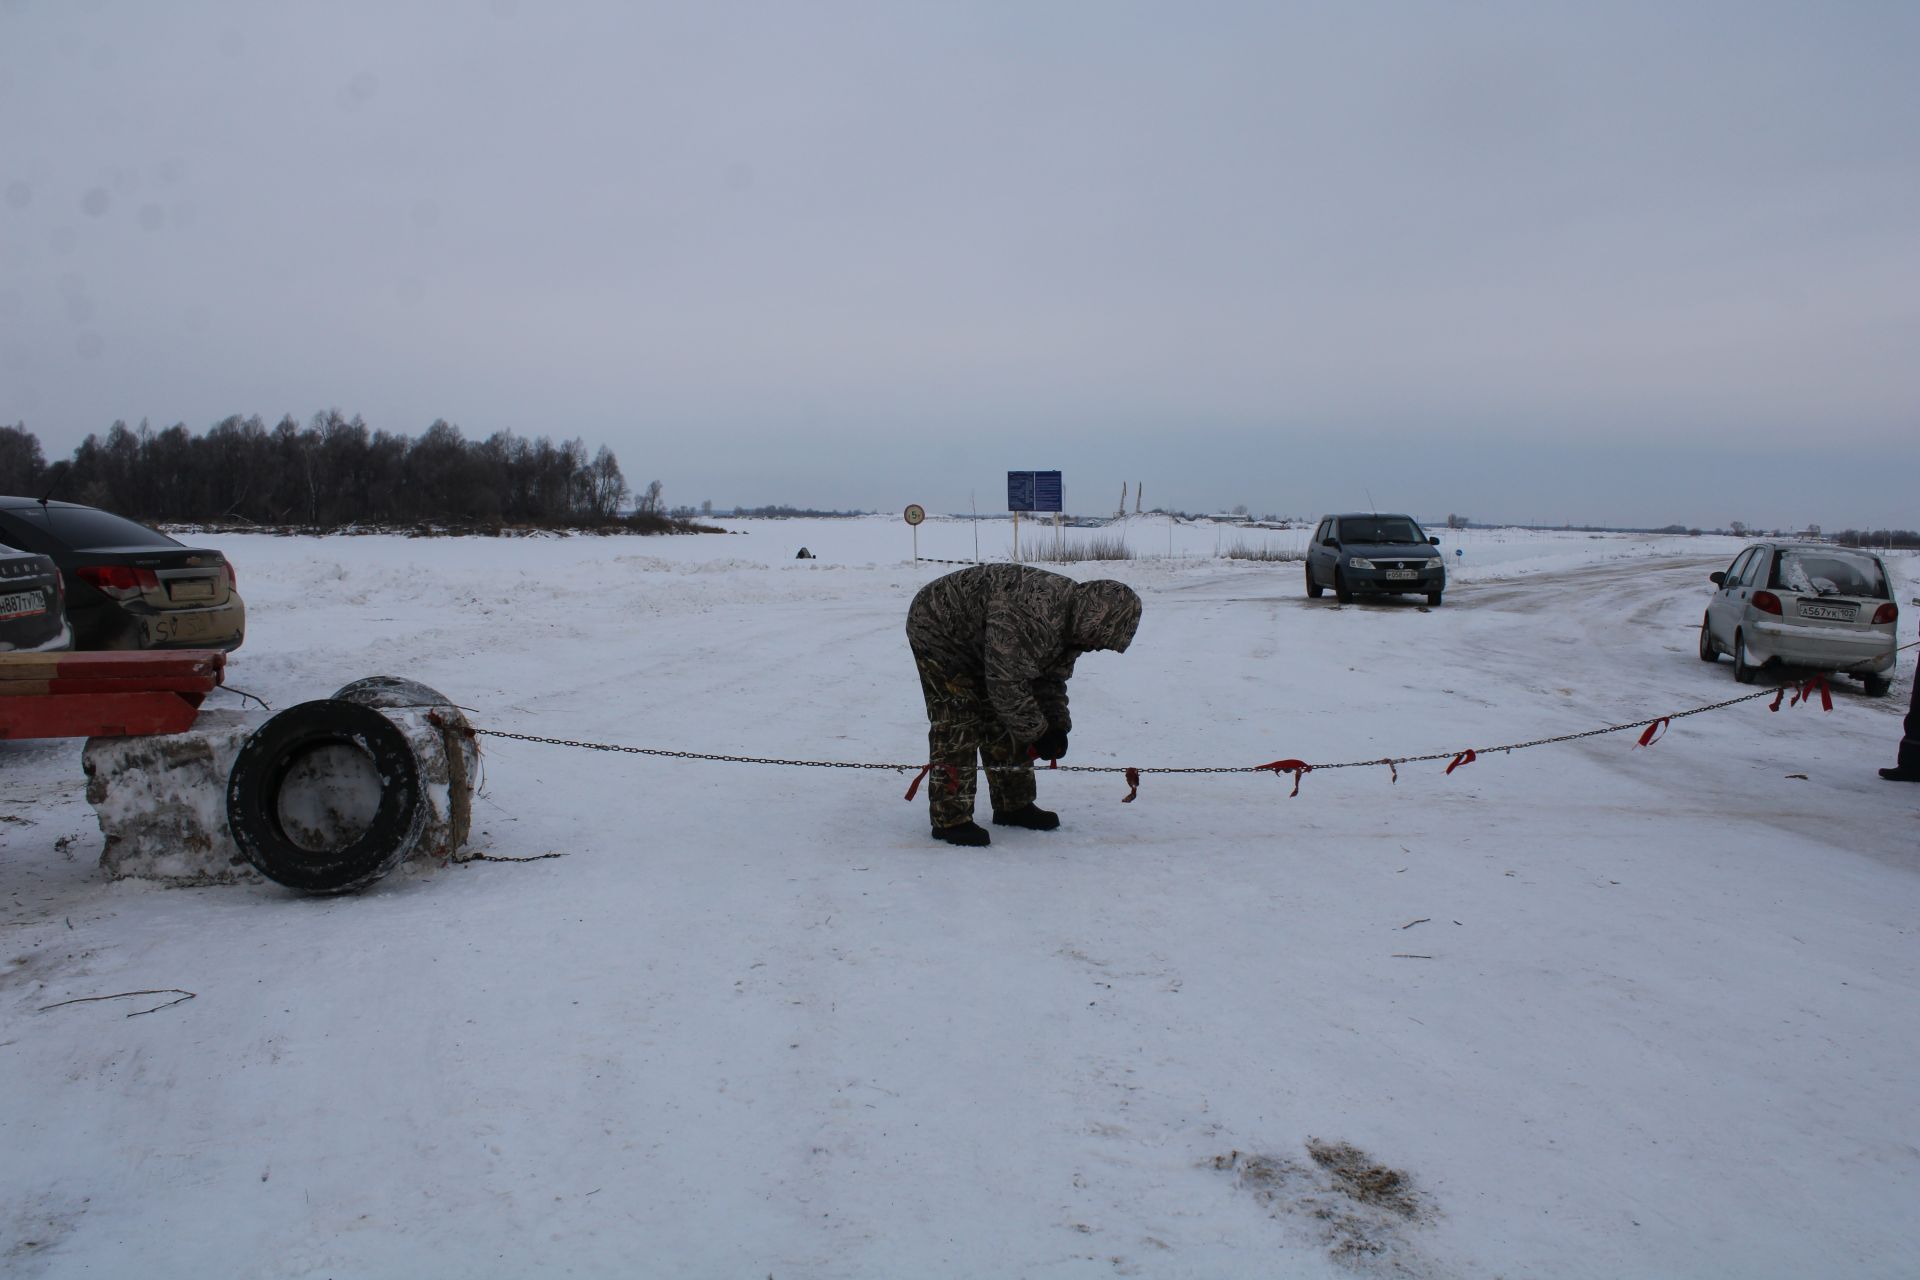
[
  {"x": 775, "y": 512},
  {"x": 331, "y": 472},
  {"x": 1877, "y": 538}
]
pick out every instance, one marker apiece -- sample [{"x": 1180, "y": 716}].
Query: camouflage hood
[{"x": 1105, "y": 615}]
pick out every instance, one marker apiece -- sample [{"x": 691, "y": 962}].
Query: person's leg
[
  {"x": 1907, "y": 768},
  {"x": 953, "y": 744},
  {"x": 1010, "y": 786}
]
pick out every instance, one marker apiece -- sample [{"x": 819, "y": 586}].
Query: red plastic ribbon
[
  {"x": 1390, "y": 769},
  {"x": 1778, "y": 697},
  {"x": 1035, "y": 755},
  {"x": 1465, "y": 757},
  {"x": 953, "y": 778},
  {"x": 1654, "y": 732},
  {"x": 1806, "y": 692},
  {"x": 1298, "y": 768},
  {"x": 1133, "y": 786}
]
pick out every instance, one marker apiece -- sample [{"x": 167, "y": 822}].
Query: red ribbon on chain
[
  {"x": 1654, "y": 732},
  {"x": 1390, "y": 769},
  {"x": 953, "y": 778},
  {"x": 1133, "y": 785},
  {"x": 1465, "y": 757},
  {"x": 1298, "y": 768},
  {"x": 1806, "y": 692}
]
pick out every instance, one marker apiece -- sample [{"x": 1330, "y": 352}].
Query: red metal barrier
[{"x": 105, "y": 695}]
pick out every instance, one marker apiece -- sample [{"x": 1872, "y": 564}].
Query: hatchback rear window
[
  {"x": 1380, "y": 529},
  {"x": 84, "y": 528},
  {"x": 1830, "y": 573}
]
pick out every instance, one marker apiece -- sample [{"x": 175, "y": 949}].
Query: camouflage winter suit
[{"x": 995, "y": 645}]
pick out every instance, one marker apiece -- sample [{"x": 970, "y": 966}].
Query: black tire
[
  {"x": 1314, "y": 589},
  {"x": 1742, "y": 672},
  {"x": 1707, "y": 652},
  {"x": 1433, "y": 599},
  {"x": 261, "y": 768},
  {"x": 1877, "y": 686},
  {"x": 1341, "y": 591}
]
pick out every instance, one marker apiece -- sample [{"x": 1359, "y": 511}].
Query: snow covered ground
[{"x": 1605, "y": 1011}]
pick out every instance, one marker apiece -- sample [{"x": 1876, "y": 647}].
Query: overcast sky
[{"x": 1621, "y": 262}]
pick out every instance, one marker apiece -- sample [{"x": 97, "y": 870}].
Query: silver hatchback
[{"x": 1804, "y": 604}]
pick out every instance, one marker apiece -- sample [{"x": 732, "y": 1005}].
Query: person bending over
[{"x": 995, "y": 645}]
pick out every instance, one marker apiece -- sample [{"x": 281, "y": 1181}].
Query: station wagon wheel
[
  {"x": 1341, "y": 591},
  {"x": 1741, "y": 670},
  {"x": 1314, "y": 589},
  {"x": 1877, "y": 686},
  {"x": 1707, "y": 652},
  {"x": 1433, "y": 599}
]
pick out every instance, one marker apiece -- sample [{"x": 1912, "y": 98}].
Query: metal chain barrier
[{"x": 1653, "y": 728}]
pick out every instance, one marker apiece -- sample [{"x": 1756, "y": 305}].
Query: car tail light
[
  {"x": 122, "y": 582},
  {"x": 1766, "y": 602},
  {"x": 1888, "y": 612}
]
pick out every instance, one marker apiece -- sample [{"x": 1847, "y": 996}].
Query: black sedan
[
  {"x": 128, "y": 586},
  {"x": 32, "y": 604}
]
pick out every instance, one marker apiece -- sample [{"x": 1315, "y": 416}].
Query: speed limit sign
[{"x": 915, "y": 514}]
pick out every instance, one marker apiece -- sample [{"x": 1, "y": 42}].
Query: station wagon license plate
[
  {"x": 1830, "y": 612},
  {"x": 1401, "y": 575},
  {"x": 23, "y": 604}
]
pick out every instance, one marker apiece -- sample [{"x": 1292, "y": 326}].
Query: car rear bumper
[
  {"x": 59, "y": 640},
  {"x": 222, "y": 626},
  {"x": 1826, "y": 648}
]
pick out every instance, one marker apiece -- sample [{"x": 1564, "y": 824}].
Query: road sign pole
[{"x": 914, "y": 514}]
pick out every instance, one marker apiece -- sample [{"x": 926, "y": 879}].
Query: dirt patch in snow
[
  {"x": 1358, "y": 1175},
  {"x": 1359, "y": 1209}
]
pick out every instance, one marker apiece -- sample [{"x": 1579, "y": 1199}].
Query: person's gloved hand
[{"x": 1051, "y": 745}]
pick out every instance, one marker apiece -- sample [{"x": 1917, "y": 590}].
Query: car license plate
[
  {"x": 191, "y": 589},
  {"x": 1830, "y": 612},
  {"x": 23, "y": 604},
  {"x": 1399, "y": 575}
]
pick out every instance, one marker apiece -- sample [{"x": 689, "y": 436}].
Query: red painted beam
[{"x": 97, "y": 715}]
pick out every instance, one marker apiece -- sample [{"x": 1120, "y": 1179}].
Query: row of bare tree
[{"x": 331, "y": 472}]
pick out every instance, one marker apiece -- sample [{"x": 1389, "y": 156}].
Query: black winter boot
[
  {"x": 1030, "y": 816},
  {"x": 966, "y": 833}
]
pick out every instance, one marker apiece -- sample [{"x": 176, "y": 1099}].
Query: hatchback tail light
[
  {"x": 120, "y": 581},
  {"x": 233, "y": 577},
  {"x": 1888, "y": 612},
  {"x": 1766, "y": 602}
]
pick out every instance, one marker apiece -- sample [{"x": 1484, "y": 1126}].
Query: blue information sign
[{"x": 1033, "y": 491}]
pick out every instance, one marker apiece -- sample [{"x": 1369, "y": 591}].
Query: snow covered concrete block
[{"x": 162, "y": 800}]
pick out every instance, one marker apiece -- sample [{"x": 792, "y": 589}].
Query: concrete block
[{"x": 162, "y": 799}]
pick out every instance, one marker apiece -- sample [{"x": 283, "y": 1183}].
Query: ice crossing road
[{"x": 1608, "y": 1011}]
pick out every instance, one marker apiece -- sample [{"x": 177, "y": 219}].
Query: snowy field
[{"x": 1604, "y": 1011}]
